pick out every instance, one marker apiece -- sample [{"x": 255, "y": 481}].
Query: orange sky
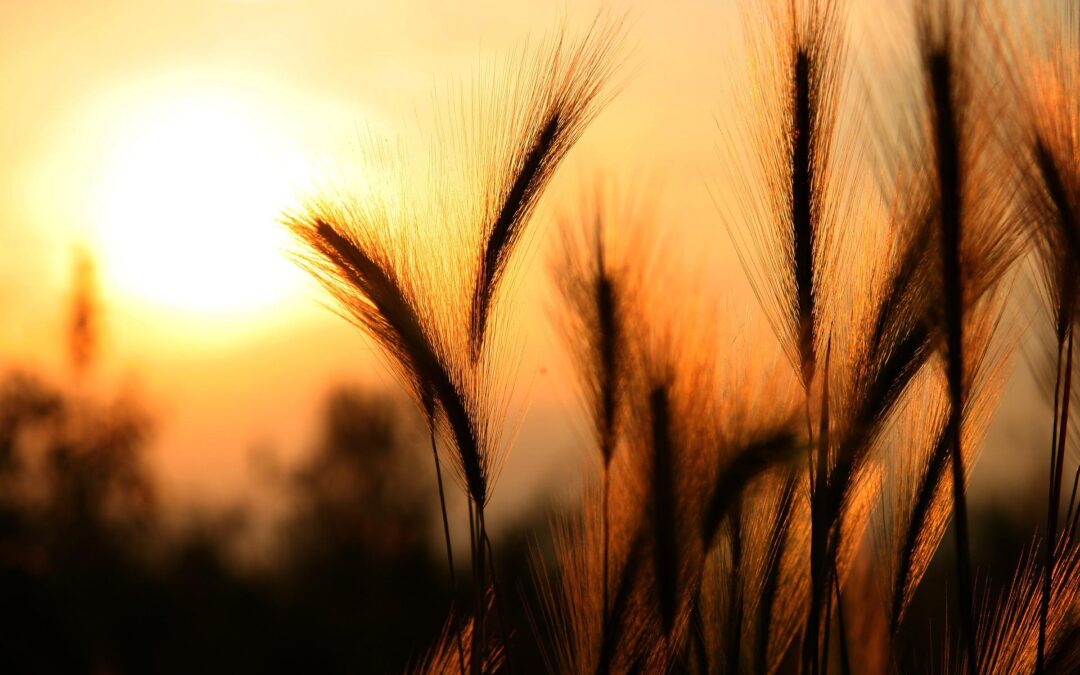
[{"x": 167, "y": 135}]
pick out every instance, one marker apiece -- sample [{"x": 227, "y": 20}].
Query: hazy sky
[{"x": 167, "y": 136}]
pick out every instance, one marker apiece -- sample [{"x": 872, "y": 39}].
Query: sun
[{"x": 190, "y": 198}]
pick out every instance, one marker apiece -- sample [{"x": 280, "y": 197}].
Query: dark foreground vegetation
[{"x": 94, "y": 578}]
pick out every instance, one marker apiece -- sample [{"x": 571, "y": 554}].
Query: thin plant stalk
[
  {"x": 1040, "y": 657},
  {"x": 665, "y": 554},
  {"x": 948, "y": 139},
  {"x": 449, "y": 548},
  {"x": 845, "y": 660},
  {"x": 475, "y": 659},
  {"x": 1057, "y": 467},
  {"x": 735, "y": 608},
  {"x": 605, "y": 487},
  {"x": 820, "y": 532},
  {"x": 500, "y": 604},
  {"x": 480, "y": 592},
  {"x": 823, "y": 664}
]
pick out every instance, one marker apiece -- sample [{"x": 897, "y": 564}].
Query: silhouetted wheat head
[
  {"x": 1040, "y": 57},
  {"x": 517, "y": 141},
  {"x": 793, "y": 185},
  {"x": 376, "y": 279},
  {"x": 600, "y": 288}
]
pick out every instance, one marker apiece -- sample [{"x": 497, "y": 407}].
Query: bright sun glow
[{"x": 191, "y": 195}]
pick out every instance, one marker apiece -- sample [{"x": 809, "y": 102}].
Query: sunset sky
[{"x": 166, "y": 138}]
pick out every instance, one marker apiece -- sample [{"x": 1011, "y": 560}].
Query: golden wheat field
[{"x": 699, "y": 336}]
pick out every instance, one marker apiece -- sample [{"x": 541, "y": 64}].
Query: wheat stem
[
  {"x": 947, "y": 137},
  {"x": 845, "y": 661},
  {"x": 449, "y": 548},
  {"x": 822, "y": 664},
  {"x": 735, "y": 607},
  {"x": 1045, "y": 600},
  {"x": 500, "y": 605},
  {"x": 605, "y": 607},
  {"x": 1057, "y": 467},
  {"x": 665, "y": 554}
]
